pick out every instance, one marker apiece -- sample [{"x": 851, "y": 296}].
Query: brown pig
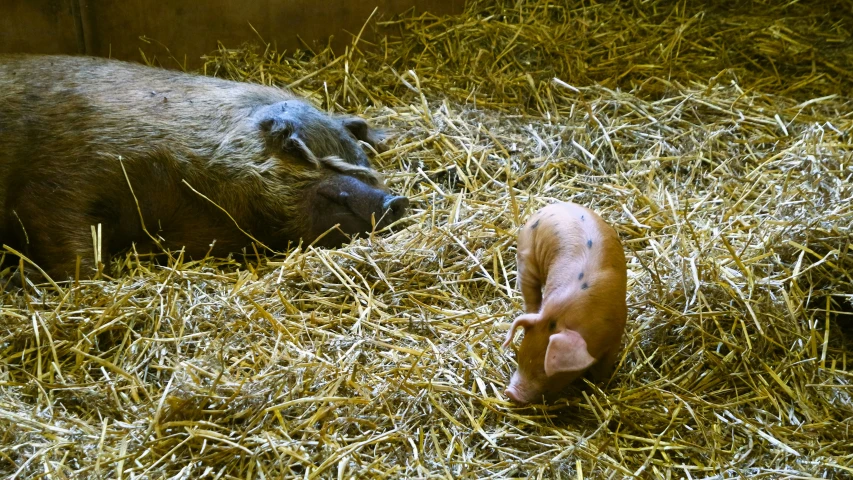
[
  {"x": 576, "y": 322},
  {"x": 173, "y": 160}
]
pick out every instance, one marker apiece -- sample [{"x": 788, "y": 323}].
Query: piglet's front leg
[{"x": 605, "y": 366}]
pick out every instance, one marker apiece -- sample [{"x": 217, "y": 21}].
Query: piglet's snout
[
  {"x": 514, "y": 396},
  {"x": 517, "y": 392}
]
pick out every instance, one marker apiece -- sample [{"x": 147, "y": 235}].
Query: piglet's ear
[
  {"x": 567, "y": 353},
  {"x": 527, "y": 320},
  {"x": 362, "y": 131}
]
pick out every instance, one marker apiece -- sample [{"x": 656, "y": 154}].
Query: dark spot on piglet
[
  {"x": 583, "y": 219},
  {"x": 580, "y": 277},
  {"x": 585, "y": 286},
  {"x": 589, "y": 243},
  {"x": 535, "y": 224}
]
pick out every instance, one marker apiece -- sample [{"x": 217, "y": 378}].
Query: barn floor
[{"x": 717, "y": 142}]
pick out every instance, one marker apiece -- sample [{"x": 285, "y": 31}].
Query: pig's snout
[
  {"x": 518, "y": 391},
  {"x": 514, "y": 396},
  {"x": 354, "y": 205},
  {"x": 395, "y": 208}
]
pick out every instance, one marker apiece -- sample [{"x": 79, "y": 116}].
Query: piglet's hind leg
[{"x": 531, "y": 288}]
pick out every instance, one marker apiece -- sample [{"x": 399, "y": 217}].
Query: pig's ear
[
  {"x": 566, "y": 353},
  {"x": 360, "y": 129},
  {"x": 281, "y": 134},
  {"x": 527, "y": 320}
]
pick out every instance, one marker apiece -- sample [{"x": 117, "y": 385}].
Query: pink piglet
[{"x": 576, "y": 322}]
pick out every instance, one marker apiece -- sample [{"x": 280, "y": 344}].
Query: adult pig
[
  {"x": 156, "y": 156},
  {"x": 576, "y": 322}
]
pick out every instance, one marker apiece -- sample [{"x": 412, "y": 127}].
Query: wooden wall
[
  {"x": 189, "y": 28},
  {"x": 39, "y": 26}
]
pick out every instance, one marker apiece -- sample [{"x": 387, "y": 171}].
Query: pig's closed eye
[{"x": 339, "y": 197}]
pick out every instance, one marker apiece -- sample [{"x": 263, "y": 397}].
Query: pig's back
[
  {"x": 56, "y": 109},
  {"x": 75, "y": 105}
]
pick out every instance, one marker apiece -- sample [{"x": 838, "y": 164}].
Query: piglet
[{"x": 576, "y": 322}]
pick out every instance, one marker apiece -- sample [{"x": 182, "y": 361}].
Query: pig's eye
[{"x": 552, "y": 325}]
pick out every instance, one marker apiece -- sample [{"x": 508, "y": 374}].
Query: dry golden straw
[{"x": 717, "y": 142}]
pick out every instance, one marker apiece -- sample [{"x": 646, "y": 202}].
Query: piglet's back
[
  {"x": 564, "y": 237},
  {"x": 576, "y": 323},
  {"x": 582, "y": 263}
]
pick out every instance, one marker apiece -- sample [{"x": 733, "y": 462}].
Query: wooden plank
[
  {"x": 39, "y": 26},
  {"x": 191, "y": 29}
]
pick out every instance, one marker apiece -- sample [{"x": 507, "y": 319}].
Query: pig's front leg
[
  {"x": 53, "y": 227},
  {"x": 530, "y": 286}
]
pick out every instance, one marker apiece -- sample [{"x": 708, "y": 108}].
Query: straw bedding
[{"x": 717, "y": 142}]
